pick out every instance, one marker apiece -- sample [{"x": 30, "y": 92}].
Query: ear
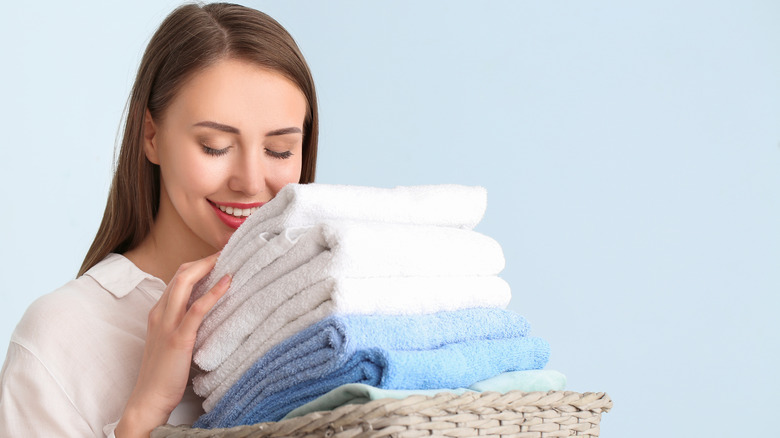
[{"x": 150, "y": 138}]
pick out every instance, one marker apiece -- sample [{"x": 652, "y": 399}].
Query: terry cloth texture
[
  {"x": 243, "y": 261},
  {"x": 442, "y": 350},
  {"x": 271, "y": 316},
  {"x": 339, "y": 251},
  {"x": 297, "y": 205},
  {"x": 304, "y": 205}
]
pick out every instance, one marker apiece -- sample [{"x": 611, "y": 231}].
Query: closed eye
[
  {"x": 214, "y": 152},
  {"x": 279, "y": 155}
]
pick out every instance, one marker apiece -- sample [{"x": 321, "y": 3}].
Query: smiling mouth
[{"x": 235, "y": 211}]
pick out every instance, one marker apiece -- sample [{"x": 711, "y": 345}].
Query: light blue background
[{"x": 631, "y": 153}]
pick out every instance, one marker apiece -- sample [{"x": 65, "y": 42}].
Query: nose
[{"x": 248, "y": 175}]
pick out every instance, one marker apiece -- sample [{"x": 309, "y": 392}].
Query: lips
[{"x": 234, "y": 214}]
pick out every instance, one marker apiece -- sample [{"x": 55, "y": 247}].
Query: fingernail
[{"x": 225, "y": 279}]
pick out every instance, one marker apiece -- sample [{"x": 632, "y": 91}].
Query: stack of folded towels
[{"x": 337, "y": 286}]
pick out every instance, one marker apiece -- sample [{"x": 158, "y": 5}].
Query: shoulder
[
  {"x": 54, "y": 320},
  {"x": 77, "y": 341},
  {"x": 66, "y": 299},
  {"x": 110, "y": 299},
  {"x": 69, "y": 302}
]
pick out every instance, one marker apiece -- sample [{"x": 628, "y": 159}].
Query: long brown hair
[{"x": 190, "y": 39}]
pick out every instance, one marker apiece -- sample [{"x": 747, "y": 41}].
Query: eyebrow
[
  {"x": 284, "y": 131},
  {"x": 234, "y": 130},
  {"x": 219, "y": 127}
]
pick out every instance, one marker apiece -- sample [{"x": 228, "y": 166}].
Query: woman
[{"x": 222, "y": 115}]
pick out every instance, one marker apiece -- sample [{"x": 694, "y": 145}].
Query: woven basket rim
[{"x": 579, "y": 412}]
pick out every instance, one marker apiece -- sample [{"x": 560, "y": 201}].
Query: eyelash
[
  {"x": 279, "y": 155},
  {"x": 214, "y": 152},
  {"x": 273, "y": 154}
]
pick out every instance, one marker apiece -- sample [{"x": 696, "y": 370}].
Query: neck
[{"x": 169, "y": 244}]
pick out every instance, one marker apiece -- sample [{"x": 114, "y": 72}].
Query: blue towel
[
  {"x": 461, "y": 362},
  {"x": 445, "y": 349}
]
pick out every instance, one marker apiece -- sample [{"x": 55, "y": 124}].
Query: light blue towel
[
  {"x": 445, "y": 349},
  {"x": 453, "y": 365},
  {"x": 358, "y": 393}
]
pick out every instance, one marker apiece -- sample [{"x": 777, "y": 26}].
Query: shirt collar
[{"x": 119, "y": 276}]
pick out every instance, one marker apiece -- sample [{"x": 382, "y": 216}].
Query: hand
[{"x": 170, "y": 339}]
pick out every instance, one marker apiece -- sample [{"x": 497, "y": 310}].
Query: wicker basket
[{"x": 514, "y": 414}]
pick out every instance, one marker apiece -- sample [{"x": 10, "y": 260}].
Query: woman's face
[{"x": 229, "y": 141}]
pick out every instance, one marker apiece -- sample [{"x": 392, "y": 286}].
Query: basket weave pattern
[{"x": 514, "y": 414}]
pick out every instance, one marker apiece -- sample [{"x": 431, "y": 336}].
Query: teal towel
[{"x": 358, "y": 393}]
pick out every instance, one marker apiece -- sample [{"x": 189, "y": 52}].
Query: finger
[
  {"x": 194, "y": 316},
  {"x": 158, "y": 309},
  {"x": 183, "y": 282},
  {"x": 155, "y": 316}
]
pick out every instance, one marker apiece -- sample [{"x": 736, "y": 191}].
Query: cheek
[
  {"x": 283, "y": 174},
  {"x": 191, "y": 175}
]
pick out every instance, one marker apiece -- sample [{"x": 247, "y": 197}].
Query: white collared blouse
[{"x": 74, "y": 357}]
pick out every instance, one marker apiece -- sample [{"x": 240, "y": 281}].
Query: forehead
[{"x": 241, "y": 94}]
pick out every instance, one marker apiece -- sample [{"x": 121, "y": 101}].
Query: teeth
[{"x": 238, "y": 212}]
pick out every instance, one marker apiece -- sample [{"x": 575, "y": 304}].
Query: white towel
[
  {"x": 256, "y": 250},
  {"x": 348, "y": 250},
  {"x": 301, "y": 205},
  {"x": 371, "y": 249},
  {"x": 280, "y": 255},
  {"x": 305, "y": 205},
  {"x": 281, "y": 310}
]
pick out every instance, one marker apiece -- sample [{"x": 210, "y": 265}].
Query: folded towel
[
  {"x": 255, "y": 252},
  {"x": 305, "y": 205},
  {"x": 527, "y": 381},
  {"x": 446, "y": 349},
  {"x": 365, "y": 248},
  {"x": 358, "y": 393},
  {"x": 298, "y": 205},
  {"x": 276, "y": 313},
  {"x": 281, "y": 255},
  {"x": 455, "y": 363},
  {"x": 343, "y": 250}
]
